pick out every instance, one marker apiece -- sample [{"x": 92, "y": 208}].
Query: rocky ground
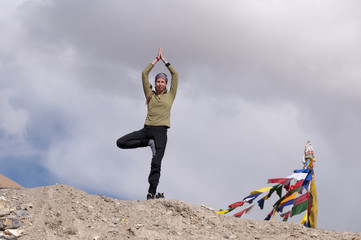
[{"x": 64, "y": 212}]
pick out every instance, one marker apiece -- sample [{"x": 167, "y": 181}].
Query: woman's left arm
[
  {"x": 174, "y": 81},
  {"x": 173, "y": 72}
]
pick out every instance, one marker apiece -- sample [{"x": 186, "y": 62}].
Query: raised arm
[
  {"x": 145, "y": 74},
  {"x": 173, "y": 72},
  {"x": 158, "y": 57}
]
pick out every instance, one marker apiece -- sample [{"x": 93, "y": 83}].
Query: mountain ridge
[{"x": 65, "y": 212}]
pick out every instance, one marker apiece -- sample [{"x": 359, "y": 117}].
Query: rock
[
  {"x": 4, "y": 208},
  {"x": 27, "y": 206},
  {"x": 14, "y": 232},
  {"x": 207, "y": 207},
  {"x": 10, "y": 223},
  {"x": 21, "y": 213}
]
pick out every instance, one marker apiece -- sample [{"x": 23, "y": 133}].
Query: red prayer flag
[
  {"x": 237, "y": 204},
  {"x": 278, "y": 180},
  {"x": 298, "y": 184},
  {"x": 301, "y": 199},
  {"x": 239, "y": 214}
]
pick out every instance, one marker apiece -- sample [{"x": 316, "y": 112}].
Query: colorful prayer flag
[
  {"x": 301, "y": 180},
  {"x": 300, "y": 204},
  {"x": 285, "y": 217},
  {"x": 262, "y": 190},
  {"x": 261, "y": 203},
  {"x": 268, "y": 217},
  {"x": 251, "y": 197},
  {"x": 237, "y": 204},
  {"x": 239, "y": 214}
]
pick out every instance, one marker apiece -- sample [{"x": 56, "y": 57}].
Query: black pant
[{"x": 141, "y": 139}]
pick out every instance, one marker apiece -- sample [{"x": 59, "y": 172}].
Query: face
[{"x": 160, "y": 85}]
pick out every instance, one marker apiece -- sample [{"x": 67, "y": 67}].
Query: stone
[
  {"x": 14, "y": 232},
  {"x": 26, "y": 206},
  {"x": 21, "y": 213},
  {"x": 4, "y": 208},
  {"x": 207, "y": 207},
  {"x": 10, "y": 223}
]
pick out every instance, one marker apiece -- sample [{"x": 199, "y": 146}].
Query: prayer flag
[
  {"x": 269, "y": 215},
  {"x": 279, "y": 191},
  {"x": 239, "y": 214},
  {"x": 297, "y": 185},
  {"x": 274, "y": 188},
  {"x": 278, "y": 180},
  {"x": 299, "y": 208},
  {"x": 300, "y": 204},
  {"x": 262, "y": 190},
  {"x": 301, "y": 180},
  {"x": 298, "y": 176},
  {"x": 302, "y": 198},
  {"x": 304, "y": 219},
  {"x": 305, "y": 170},
  {"x": 249, "y": 209},
  {"x": 251, "y": 197},
  {"x": 287, "y": 201},
  {"x": 285, "y": 216},
  {"x": 313, "y": 211},
  {"x": 261, "y": 203},
  {"x": 221, "y": 211},
  {"x": 237, "y": 204}
]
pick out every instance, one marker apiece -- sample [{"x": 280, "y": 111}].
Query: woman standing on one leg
[{"x": 154, "y": 133}]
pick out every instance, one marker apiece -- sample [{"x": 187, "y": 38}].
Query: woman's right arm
[
  {"x": 145, "y": 80},
  {"x": 145, "y": 74}
]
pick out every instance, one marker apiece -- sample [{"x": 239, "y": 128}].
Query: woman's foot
[
  {"x": 150, "y": 196},
  {"x": 159, "y": 195}
]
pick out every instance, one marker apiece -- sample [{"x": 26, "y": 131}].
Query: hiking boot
[
  {"x": 151, "y": 144},
  {"x": 159, "y": 195},
  {"x": 150, "y": 196}
]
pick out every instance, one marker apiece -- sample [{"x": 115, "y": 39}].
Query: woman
[{"x": 154, "y": 133}]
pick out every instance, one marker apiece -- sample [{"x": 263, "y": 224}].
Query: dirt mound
[
  {"x": 64, "y": 212},
  {"x": 8, "y": 183}
]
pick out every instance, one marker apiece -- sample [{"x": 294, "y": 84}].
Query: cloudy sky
[{"x": 257, "y": 79}]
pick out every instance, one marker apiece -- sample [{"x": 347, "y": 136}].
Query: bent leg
[{"x": 134, "y": 140}]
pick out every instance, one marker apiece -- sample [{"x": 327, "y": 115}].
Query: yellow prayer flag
[
  {"x": 262, "y": 190},
  {"x": 304, "y": 219},
  {"x": 274, "y": 215},
  {"x": 292, "y": 196},
  {"x": 222, "y": 211},
  {"x": 313, "y": 211}
]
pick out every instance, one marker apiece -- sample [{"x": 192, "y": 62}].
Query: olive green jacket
[{"x": 159, "y": 107}]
